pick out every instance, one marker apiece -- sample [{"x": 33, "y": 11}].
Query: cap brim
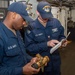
[
  {"x": 46, "y": 16},
  {"x": 27, "y": 18}
]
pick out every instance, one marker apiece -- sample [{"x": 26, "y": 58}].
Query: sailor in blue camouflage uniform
[
  {"x": 46, "y": 33},
  {"x": 13, "y": 58}
]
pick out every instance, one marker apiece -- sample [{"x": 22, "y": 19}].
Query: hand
[
  {"x": 35, "y": 59},
  {"x": 52, "y": 43},
  {"x": 64, "y": 43},
  {"x": 28, "y": 70}
]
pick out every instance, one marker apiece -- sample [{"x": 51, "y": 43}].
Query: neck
[
  {"x": 43, "y": 23},
  {"x": 9, "y": 26}
]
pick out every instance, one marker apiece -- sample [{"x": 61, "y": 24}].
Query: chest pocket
[
  {"x": 55, "y": 35},
  {"x": 12, "y": 52},
  {"x": 12, "y": 49}
]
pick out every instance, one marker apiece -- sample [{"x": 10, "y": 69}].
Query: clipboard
[{"x": 58, "y": 45}]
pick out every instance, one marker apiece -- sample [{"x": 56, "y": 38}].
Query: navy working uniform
[
  {"x": 36, "y": 42},
  {"x": 12, "y": 52}
]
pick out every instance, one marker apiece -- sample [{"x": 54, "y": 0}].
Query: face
[
  {"x": 19, "y": 22},
  {"x": 43, "y": 20}
]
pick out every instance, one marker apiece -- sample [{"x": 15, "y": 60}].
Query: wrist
[{"x": 48, "y": 44}]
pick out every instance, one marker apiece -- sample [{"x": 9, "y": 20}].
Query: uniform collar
[
  {"x": 8, "y": 32},
  {"x": 50, "y": 23},
  {"x": 38, "y": 24}
]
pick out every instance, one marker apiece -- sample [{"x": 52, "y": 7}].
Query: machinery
[
  {"x": 41, "y": 63},
  {"x": 3, "y": 8}
]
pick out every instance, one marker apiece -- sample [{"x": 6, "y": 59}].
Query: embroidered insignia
[
  {"x": 11, "y": 47},
  {"x": 47, "y": 8},
  {"x": 39, "y": 34},
  {"x": 54, "y": 30},
  {"x": 28, "y": 31}
]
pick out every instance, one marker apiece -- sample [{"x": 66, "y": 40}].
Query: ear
[
  {"x": 37, "y": 13},
  {"x": 14, "y": 15}
]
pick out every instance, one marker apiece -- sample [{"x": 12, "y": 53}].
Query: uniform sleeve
[
  {"x": 29, "y": 57},
  {"x": 61, "y": 36},
  {"x": 33, "y": 46},
  {"x": 61, "y": 30},
  {"x": 5, "y": 70}
]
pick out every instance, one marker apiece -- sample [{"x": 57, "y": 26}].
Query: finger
[
  {"x": 36, "y": 70},
  {"x": 34, "y": 60},
  {"x": 55, "y": 41},
  {"x": 53, "y": 44}
]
